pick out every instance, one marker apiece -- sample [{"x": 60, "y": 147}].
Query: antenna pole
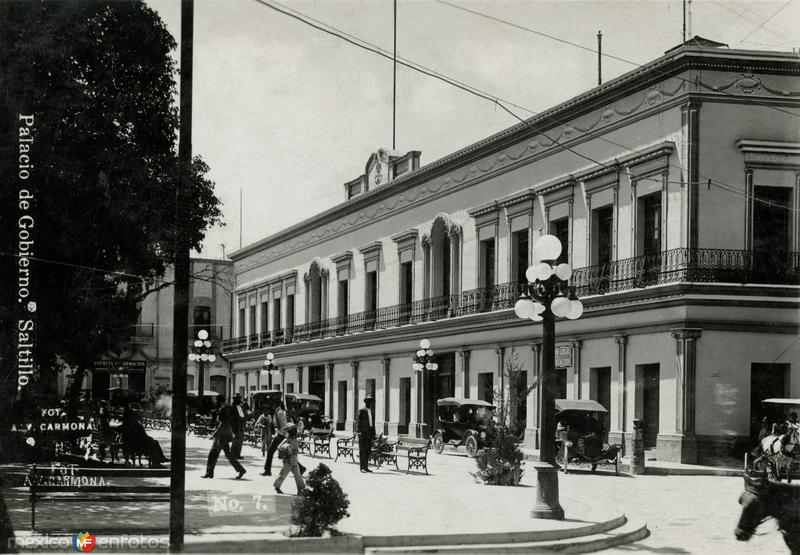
[
  {"x": 394, "y": 81},
  {"x": 599, "y": 57},
  {"x": 684, "y": 21}
]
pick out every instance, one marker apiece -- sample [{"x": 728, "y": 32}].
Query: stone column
[
  {"x": 463, "y": 357},
  {"x": 682, "y": 445},
  {"x": 299, "y": 379},
  {"x": 329, "y": 368},
  {"x": 617, "y": 432},
  {"x": 387, "y": 394},
  {"x": 576, "y": 366},
  {"x": 534, "y": 400},
  {"x": 350, "y": 425},
  {"x": 417, "y": 424},
  {"x": 283, "y": 379}
]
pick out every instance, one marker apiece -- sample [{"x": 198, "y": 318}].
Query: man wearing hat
[
  {"x": 365, "y": 426},
  {"x": 239, "y": 426},
  {"x": 222, "y": 436},
  {"x": 287, "y": 452}
]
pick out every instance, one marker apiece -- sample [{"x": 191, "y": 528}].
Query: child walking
[{"x": 287, "y": 452}]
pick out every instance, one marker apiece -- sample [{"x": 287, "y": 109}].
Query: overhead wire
[
  {"x": 594, "y": 51},
  {"x": 776, "y": 12},
  {"x": 497, "y": 101}
]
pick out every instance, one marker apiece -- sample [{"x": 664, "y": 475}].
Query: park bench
[
  {"x": 80, "y": 487},
  {"x": 346, "y": 446},
  {"x": 321, "y": 441},
  {"x": 416, "y": 452},
  {"x": 304, "y": 442},
  {"x": 384, "y": 452}
]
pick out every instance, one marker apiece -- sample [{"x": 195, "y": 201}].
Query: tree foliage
[
  {"x": 99, "y": 79},
  {"x": 500, "y": 463}
]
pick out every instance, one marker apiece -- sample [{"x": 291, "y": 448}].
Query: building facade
[
  {"x": 144, "y": 363},
  {"x": 675, "y": 191}
]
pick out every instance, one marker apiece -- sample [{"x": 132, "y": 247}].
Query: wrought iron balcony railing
[{"x": 672, "y": 266}]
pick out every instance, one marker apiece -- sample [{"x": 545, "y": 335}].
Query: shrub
[
  {"x": 500, "y": 463},
  {"x": 321, "y": 505}
]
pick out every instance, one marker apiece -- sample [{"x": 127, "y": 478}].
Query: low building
[{"x": 675, "y": 192}]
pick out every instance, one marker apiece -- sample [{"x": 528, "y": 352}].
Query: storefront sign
[
  {"x": 119, "y": 366},
  {"x": 563, "y": 356}
]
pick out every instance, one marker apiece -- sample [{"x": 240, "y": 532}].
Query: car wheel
[
  {"x": 438, "y": 443},
  {"x": 472, "y": 446}
]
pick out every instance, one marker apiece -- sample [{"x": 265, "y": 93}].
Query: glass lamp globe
[
  {"x": 207, "y": 344},
  {"x": 202, "y": 335},
  {"x": 547, "y": 247},
  {"x": 536, "y": 318},
  {"x": 192, "y": 357},
  {"x": 198, "y": 343},
  {"x": 204, "y": 357},
  {"x": 575, "y": 309},
  {"x": 270, "y": 356},
  {"x": 564, "y": 271},
  {"x": 523, "y": 308},
  {"x": 416, "y": 366},
  {"x": 560, "y": 306},
  {"x": 420, "y": 353},
  {"x": 429, "y": 352},
  {"x": 424, "y": 344},
  {"x": 538, "y": 308},
  {"x": 435, "y": 366},
  {"x": 212, "y": 358},
  {"x": 541, "y": 271}
]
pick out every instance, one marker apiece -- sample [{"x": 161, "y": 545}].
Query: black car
[
  {"x": 308, "y": 408},
  {"x": 462, "y": 423}
]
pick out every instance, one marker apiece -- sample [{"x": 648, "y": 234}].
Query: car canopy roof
[
  {"x": 586, "y": 405},
  {"x": 303, "y": 397},
  {"x": 778, "y": 401},
  {"x": 269, "y": 392},
  {"x": 206, "y": 393},
  {"x": 461, "y": 402}
]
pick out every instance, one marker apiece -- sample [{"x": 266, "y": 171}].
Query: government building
[{"x": 675, "y": 192}]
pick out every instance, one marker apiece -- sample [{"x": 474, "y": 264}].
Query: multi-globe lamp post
[
  {"x": 201, "y": 353},
  {"x": 424, "y": 359},
  {"x": 269, "y": 367},
  {"x": 545, "y": 297}
]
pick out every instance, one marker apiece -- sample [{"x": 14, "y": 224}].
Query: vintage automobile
[
  {"x": 197, "y": 405},
  {"x": 266, "y": 399},
  {"x": 308, "y": 408},
  {"x": 462, "y": 423},
  {"x": 581, "y": 437}
]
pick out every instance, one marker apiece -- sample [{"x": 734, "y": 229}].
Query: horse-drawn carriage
[
  {"x": 775, "y": 459},
  {"x": 582, "y": 438}
]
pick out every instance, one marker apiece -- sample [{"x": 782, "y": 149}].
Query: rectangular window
[
  {"x": 649, "y": 239},
  {"x": 289, "y": 311},
  {"x": 241, "y": 322},
  {"x": 252, "y": 320},
  {"x": 560, "y": 228},
  {"x": 289, "y": 388},
  {"x": 519, "y": 255},
  {"x": 602, "y": 235},
  {"x": 276, "y": 314},
  {"x": 487, "y": 263},
  {"x": 344, "y": 300},
  {"x": 371, "y": 301},
  {"x": 370, "y": 388},
  {"x": 202, "y": 316},
  {"x": 264, "y": 317},
  {"x": 406, "y": 282},
  {"x": 771, "y": 232}
]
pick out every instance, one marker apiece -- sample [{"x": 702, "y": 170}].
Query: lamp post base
[{"x": 547, "y": 505}]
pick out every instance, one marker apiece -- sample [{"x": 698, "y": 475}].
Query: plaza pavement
[{"x": 685, "y": 514}]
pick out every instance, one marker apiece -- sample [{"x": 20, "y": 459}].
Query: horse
[{"x": 781, "y": 448}]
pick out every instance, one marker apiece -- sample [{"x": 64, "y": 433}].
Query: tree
[
  {"x": 516, "y": 384},
  {"x": 98, "y": 79},
  {"x": 321, "y": 505}
]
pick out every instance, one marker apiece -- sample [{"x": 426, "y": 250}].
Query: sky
[{"x": 285, "y": 114}]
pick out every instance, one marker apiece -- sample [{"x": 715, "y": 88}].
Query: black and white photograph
[{"x": 400, "y": 276}]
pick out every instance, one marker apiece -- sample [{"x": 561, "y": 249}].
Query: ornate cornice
[
  {"x": 346, "y": 256},
  {"x": 371, "y": 248},
  {"x": 484, "y": 209}
]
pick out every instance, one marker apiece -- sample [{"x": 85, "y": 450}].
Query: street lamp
[
  {"x": 547, "y": 295},
  {"x": 269, "y": 367},
  {"x": 424, "y": 360},
  {"x": 201, "y": 353}
]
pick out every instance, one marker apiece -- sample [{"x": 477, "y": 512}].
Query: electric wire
[
  {"x": 604, "y": 54},
  {"x": 767, "y": 20},
  {"x": 328, "y": 29}
]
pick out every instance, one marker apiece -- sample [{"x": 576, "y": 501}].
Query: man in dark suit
[
  {"x": 239, "y": 426},
  {"x": 365, "y": 426},
  {"x": 223, "y": 435}
]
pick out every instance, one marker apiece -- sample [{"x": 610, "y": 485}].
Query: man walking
[
  {"x": 239, "y": 426},
  {"x": 223, "y": 435},
  {"x": 280, "y": 434},
  {"x": 288, "y": 452},
  {"x": 365, "y": 426}
]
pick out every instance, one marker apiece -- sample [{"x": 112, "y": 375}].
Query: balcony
[{"x": 673, "y": 266}]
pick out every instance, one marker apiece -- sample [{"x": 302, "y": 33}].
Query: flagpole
[{"x": 394, "y": 81}]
